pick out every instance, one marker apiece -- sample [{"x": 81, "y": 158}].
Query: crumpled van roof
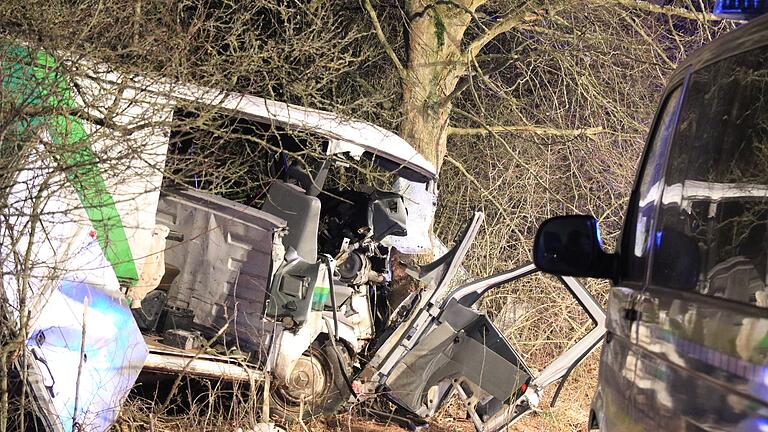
[
  {"x": 345, "y": 134},
  {"x": 355, "y": 136}
]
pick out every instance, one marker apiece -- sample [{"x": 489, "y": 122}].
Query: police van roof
[{"x": 744, "y": 38}]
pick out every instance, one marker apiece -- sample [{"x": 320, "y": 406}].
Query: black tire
[{"x": 324, "y": 391}]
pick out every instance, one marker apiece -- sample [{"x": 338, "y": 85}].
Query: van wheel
[{"x": 318, "y": 379}]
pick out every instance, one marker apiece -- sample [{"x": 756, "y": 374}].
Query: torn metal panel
[
  {"x": 85, "y": 352},
  {"x": 225, "y": 262},
  {"x": 118, "y": 206},
  {"x": 364, "y": 135},
  {"x": 79, "y": 230},
  {"x": 468, "y": 294},
  {"x": 476, "y": 353},
  {"x": 528, "y": 397},
  {"x": 423, "y": 310},
  {"x": 354, "y": 136},
  {"x": 421, "y": 202},
  {"x": 73, "y": 302}
]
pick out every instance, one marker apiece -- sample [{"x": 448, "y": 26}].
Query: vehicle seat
[{"x": 301, "y": 212}]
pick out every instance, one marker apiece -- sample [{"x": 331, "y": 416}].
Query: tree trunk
[{"x": 434, "y": 66}]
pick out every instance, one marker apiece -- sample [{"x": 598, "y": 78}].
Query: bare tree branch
[
  {"x": 471, "y": 178},
  {"x": 633, "y": 22},
  {"x": 503, "y": 26},
  {"x": 383, "y": 39},
  {"x": 516, "y": 158},
  {"x": 540, "y": 130},
  {"x": 466, "y": 81},
  {"x": 667, "y": 10}
]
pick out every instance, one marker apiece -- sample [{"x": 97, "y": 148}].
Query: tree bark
[{"x": 433, "y": 69}]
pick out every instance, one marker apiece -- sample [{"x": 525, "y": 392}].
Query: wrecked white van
[
  {"x": 93, "y": 229},
  {"x": 112, "y": 268}
]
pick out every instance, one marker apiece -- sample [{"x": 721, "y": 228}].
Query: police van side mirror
[{"x": 571, "y": 246}]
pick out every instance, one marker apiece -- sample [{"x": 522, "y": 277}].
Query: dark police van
[{"x": 687, "y": 341}]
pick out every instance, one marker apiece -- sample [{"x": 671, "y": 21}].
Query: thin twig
[
  {"x": 79, "y": 367},
  {"x": 383, "y": 39}
]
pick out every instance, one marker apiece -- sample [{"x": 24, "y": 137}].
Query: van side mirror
[{"x": 571, "y": 246}]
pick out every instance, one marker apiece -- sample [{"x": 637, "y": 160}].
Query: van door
[
  {"x": 703, "y": 318},
  {"x": 613, "y": 405},
  {"x": 449, "y": 347}
]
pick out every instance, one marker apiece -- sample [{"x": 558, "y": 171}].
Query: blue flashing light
[
  {"x": 740, "y": 9},
  {"x": 599, "y": 236},
  {"x": 659, "y": 235}
]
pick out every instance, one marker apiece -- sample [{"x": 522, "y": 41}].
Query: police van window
[
  {"x": 638, "y": 225},
  {"x": 713, "y": 224}
]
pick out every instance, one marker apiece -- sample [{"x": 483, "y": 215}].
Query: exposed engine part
[
  {"x": 350, "y": 268},
  {"x": 359, "y": 216},
  {"x": 375, "y": 277},
  {"x": 353, "y": 223},
  {"x": 356, "y": 268},
  {"x": 343, "y": 216}
]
